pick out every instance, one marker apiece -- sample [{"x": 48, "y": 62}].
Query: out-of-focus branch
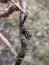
[
  {"x": 11, "y": 9},
  {"x": 8, "y": 11},
  {"x": 23, "y": 40},
  {"x": 19, "y": 7},
  {"x": 7, "y": 43}
]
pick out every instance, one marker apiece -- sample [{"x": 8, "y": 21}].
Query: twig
[
  {"x": 19, "y": 7},
  {"x": 11, "y": 9},
  {"x": 23, "y": 40},
  {"x": 8, "y": 11},
  {"x": 6, "y": 42}
]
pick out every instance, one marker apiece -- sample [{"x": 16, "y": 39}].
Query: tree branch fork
[
  {"x": 15, "y": 6},
  {"x": 24, "y": 34}
]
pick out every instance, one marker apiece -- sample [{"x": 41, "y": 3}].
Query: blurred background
[{"x": 38, "y": 23}]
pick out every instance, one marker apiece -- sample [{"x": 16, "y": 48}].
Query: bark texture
[
  {"x": 24, "y": 33},
  {"x": 23, "y": 40}
]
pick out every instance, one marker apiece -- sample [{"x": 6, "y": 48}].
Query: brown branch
[
  {"x": 8, "y": 11},
  {"x": 22, "y": 36},
  {"x": 6, "y": 1},
  {"x": 23, "y": 40},
  {"x": 6, "y": 42},
  {"x": 11, "y": 9},
  {"x": 19, "y": 7}
]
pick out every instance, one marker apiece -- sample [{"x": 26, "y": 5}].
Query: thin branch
[
  {"x": 23, "y": 40},
  {"x": 11, "y": 9},
  {"x": 19, "y": 7},
  {"x": 7, "y": 43},
  {"x": 8, "y": 11}
]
